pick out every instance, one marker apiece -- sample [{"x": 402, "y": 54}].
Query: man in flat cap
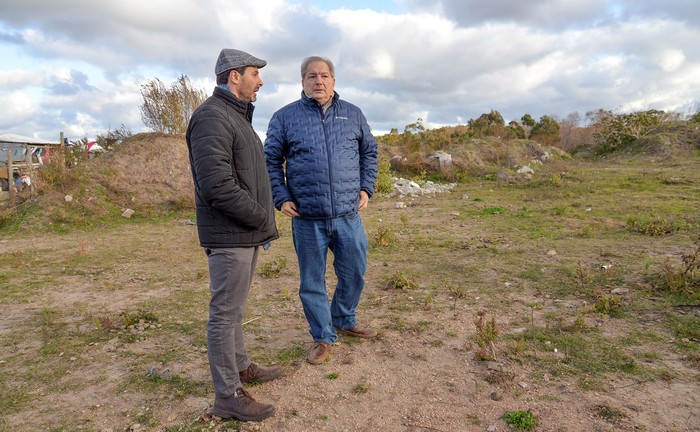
[{"x": 235, "y": 216}]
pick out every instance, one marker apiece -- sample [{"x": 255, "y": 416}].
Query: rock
[
  {"x": 496, "y": 396},
  {"x": 444, "y": 159},
  {"x": 504, "y": 176},
  {"x": 396, "y": 162},
  {"x": 620, "y": 291},
  {"x": 408, "y": 187},
  {"x": 551, "y": 252},
  {"x": 128, "y": 213},
  {"x": 68, "y": 198},
  {"x": 400, "y": 205},
  {"x": 494, "y": 366},
  {"x": 492, "y": 428},
  {"x": 525, "y": 170}
]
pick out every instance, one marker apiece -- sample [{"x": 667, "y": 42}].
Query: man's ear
[{"x": 234, "y": 76}]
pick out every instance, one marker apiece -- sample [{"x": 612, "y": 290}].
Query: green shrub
[{"x": 520, "y": 420}]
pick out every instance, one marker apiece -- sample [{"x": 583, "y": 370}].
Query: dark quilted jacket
[
  {"x": 232, "y": 188},
  {"x": 328, "y": 158}
]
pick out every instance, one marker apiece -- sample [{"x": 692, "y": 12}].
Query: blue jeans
[{"x": 345, "y": 237}]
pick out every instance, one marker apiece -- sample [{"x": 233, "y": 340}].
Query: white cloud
[
  {"x": 17, "y": 108},
  {"x": 78, "y": 66},
  {"x": 670, "y": 59}
]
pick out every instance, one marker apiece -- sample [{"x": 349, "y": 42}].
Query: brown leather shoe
[
  {"x": 320, "y": 353},
  {"x": 359, "y": 331},
  {"x": 241, "y": 406},
  {"x": 255, "y": 373}
]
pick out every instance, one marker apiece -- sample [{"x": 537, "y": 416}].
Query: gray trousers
[{"x": 231, "y": 272}]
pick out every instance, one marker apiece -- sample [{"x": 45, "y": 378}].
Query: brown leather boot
[
  {"x": 242, "y": 406},
  {"x": 255, "y": 373},
  {"x": 359, "y": 331},
  {"x": 319, "y": 353}
]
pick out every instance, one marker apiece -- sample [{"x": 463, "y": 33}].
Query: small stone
[
  {"x": 522, "y": 384},
  {"x": 496, "y": 396},
  {"x": 551, "y": 252},
  {"x": 128, "y": 213},
  {"x": 492, "y": 428},
  {"x": 68, "y": 198},
  {"x": 620, "y": 291},
  {"x": 400, "y": 205},
  {"x": 494, "y": 366}
]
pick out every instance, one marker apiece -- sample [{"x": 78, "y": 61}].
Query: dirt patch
[
  {"x": 151, "y": 170},
  {"x": 66, "y": 364}
]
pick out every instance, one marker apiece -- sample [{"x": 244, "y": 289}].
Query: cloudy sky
[{"x": 77, "y": 66}]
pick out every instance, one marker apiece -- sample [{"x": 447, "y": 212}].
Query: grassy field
[{"x": 575, "y": 295}]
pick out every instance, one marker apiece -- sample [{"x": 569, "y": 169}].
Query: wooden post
[
  {"x": 10, "y": 176},
  {"x": 30, "y": 163}
]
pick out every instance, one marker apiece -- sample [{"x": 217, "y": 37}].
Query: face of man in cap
[
  {"x": 245, "y": 86},
  {"x": 318, "y": 82}
]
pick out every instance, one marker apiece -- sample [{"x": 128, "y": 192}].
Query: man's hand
[
  {"x": 290, "y": 209},
  {"x": 364, "y": 200}
]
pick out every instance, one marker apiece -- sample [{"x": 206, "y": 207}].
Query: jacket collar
[
  {"x": 245, "y": 108},
  {"x": 312, "y": 102}
]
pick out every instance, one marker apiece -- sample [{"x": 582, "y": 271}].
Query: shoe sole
[
  {"x": 319, "y": 361},
  {"x": 354, "y": 334},
  {"x": 259, "y": 381},
  {"x": 231, "y": 415}
]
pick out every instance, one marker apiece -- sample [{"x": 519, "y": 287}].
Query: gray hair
[{"x": 309, "y": 60}]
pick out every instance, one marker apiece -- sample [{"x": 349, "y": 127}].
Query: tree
[
  {"x": 112, "y": 138},
  {"x": 696, "y": 117},
  {"x": 168, "y": 110},
  {"x": 516, "y": 130},
  {"x": 546, "y": 131},
  {"x": 569, "y": 130},
  {"x": 528, "y": 123},
  {"x": 615, "y": 131},
  {"x": 414, "y": 127},
  {"x": 488, "y": 124}
]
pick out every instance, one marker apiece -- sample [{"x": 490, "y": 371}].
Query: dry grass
[{"x": 104, "y": 329}]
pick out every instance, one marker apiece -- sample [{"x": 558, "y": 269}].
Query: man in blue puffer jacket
[{"x": 322, "y": 161}]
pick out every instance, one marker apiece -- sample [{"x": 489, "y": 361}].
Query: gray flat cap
[{"x": 233, "y": 59}]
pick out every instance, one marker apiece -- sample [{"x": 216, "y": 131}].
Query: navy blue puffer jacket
[{"x": 320, "y": 161}]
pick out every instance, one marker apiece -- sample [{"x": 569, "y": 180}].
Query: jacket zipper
[{"x": 324, "y": 116}]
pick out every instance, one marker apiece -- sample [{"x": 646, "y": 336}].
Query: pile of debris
[{"x": 404, "y": 187}]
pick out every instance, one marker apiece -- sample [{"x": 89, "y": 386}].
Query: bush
[{"x": 384, "y": 183}]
